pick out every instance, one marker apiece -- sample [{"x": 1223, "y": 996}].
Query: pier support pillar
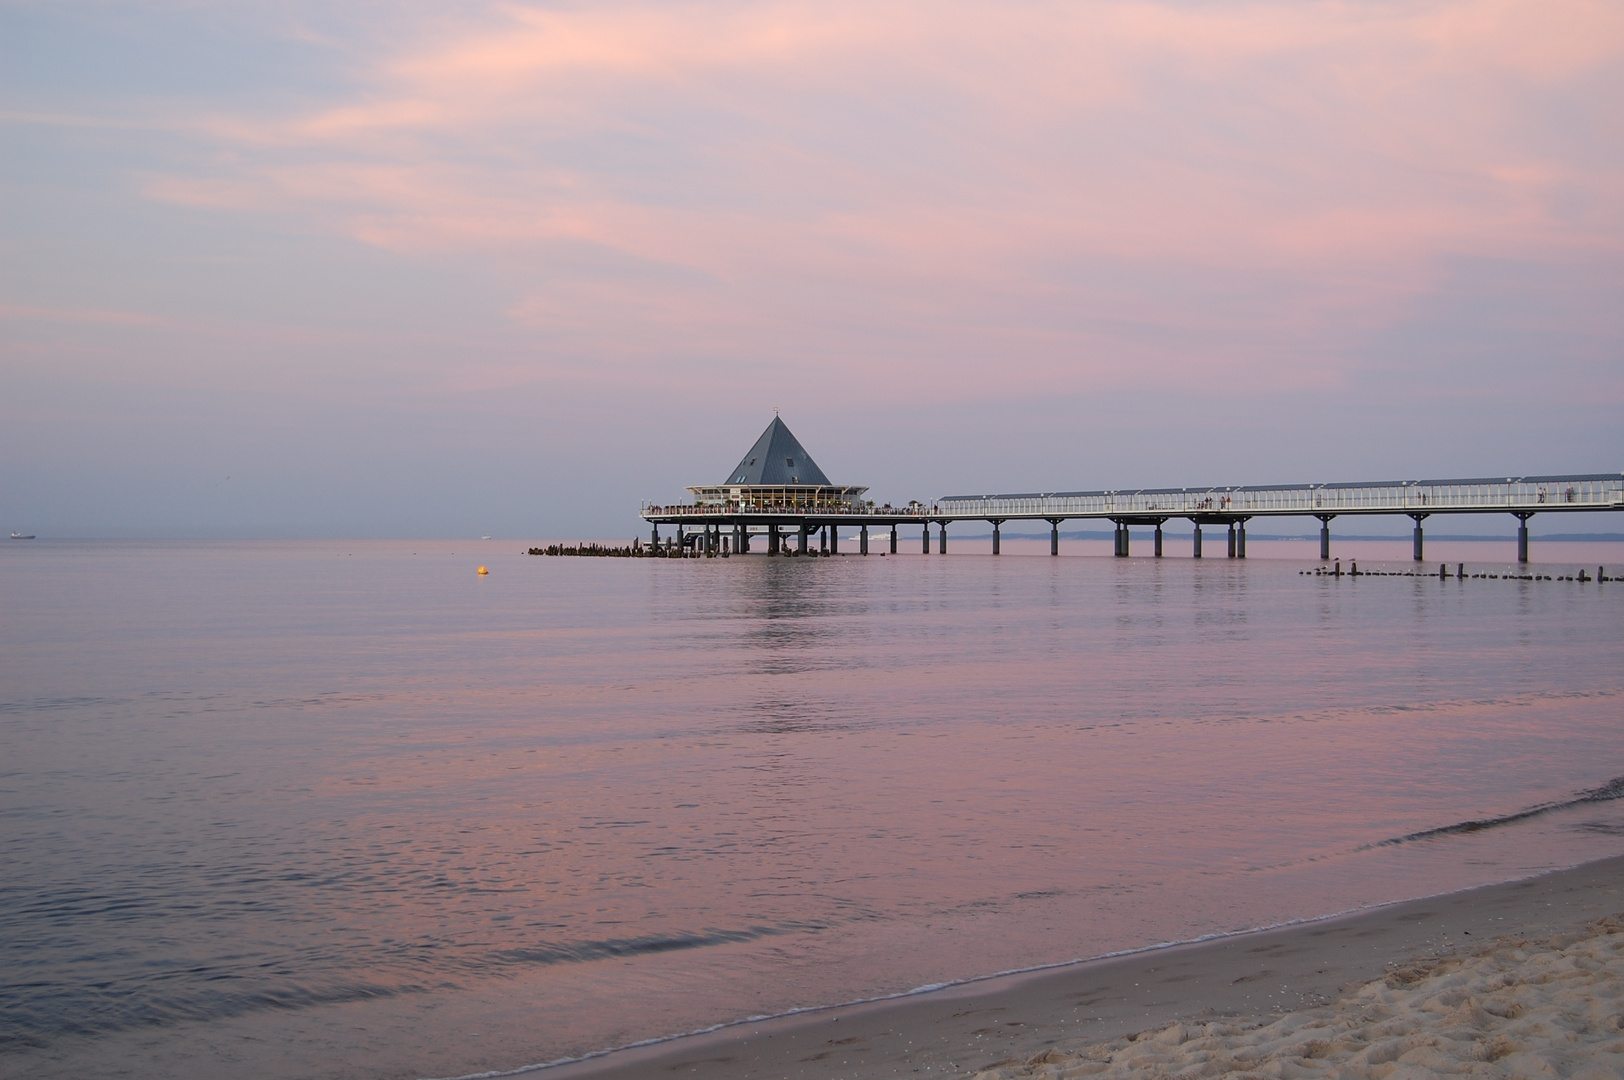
[
  {"x": 682, "y": 542},
  {"x": 774, "y": 542},
  {"x": 893, "y": 538},
  {"x": 1195, "y": 550},
  {"x": 1418, "y": 519},
  {"x": 941, "y": 546},
  {"x": 1522, "y": 537},
  {"x": 1240, "y": 539},
  {"x": 1231, "y": 539},
  {"x": 654, "y": 536},
  {"x": 927, "y": 538},
  {"x": 801, "y": 545},
  {"x": 1158, "y": 540},
  {"x": 1325, "y": 536},
  {"x": 834, "y": 540},
  {"x": 1054, "y": 536},
  {"x": 862, "y": 541},
  {"x": 995, "y": 537},
  {"x": 1121, "y": 540},
  {"x": 823, "y": 538}
]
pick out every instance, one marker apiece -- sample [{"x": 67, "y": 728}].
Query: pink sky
[{"x": 1050, "y": 227}]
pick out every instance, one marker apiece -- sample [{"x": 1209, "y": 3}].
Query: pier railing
[
  {"x": 1529, "y": 494},
  {"x": 786, "y": 510}
]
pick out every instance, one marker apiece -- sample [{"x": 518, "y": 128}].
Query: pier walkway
[{"x": 729, "y": 526}]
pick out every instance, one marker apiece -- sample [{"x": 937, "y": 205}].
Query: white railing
[
  {"x": 1525, "y": 494},
  {"x": 754, "y": 510}
]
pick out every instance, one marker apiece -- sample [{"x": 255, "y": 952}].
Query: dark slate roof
[{"x": 777, "y": 459}]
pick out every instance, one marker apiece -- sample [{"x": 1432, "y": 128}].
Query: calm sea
[{"x": 414, "y": 821}]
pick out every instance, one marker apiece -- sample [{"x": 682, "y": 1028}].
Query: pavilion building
[
  {"x": 776, "y": 493},
  {"x": 779, "y": 474}
]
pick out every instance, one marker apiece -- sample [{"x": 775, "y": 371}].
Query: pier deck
[{"x": 1231, "y": 507}]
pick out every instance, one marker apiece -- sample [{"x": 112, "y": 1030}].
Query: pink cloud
[{"x": 875, "y": 175}]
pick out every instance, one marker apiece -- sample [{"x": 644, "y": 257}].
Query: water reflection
[{"x": 788, "y": 781}]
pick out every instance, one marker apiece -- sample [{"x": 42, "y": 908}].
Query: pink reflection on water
[{"x": 644, "y": 796}]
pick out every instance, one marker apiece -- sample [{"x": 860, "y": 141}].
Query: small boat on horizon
[{"x": 23, "y": 536}]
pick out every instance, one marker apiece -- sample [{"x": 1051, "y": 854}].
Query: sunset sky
[{"x": 441, "y": 269}]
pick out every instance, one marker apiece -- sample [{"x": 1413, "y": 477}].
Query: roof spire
[{"x": 777, "y": 458}]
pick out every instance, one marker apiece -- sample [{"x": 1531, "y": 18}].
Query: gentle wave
[
  {"x": 32, "y": 1012},
  {"x": 1613, "y": 789}
]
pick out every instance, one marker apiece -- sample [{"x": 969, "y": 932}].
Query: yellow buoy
[{"x": 483, "y": 571}]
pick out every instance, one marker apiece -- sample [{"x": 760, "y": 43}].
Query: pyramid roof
[{"x": 777, "y": 459}]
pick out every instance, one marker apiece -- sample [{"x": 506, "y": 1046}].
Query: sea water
[{"x": 417, "y": 821}]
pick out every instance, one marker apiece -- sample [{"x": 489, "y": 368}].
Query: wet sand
[{"x": 1501, "y": 980}]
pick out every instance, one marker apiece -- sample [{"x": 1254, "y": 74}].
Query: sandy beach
[{"x": 1517, "y": 979}]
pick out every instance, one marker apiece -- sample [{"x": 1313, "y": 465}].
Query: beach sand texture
[{"x": 1515, "y": 1009}]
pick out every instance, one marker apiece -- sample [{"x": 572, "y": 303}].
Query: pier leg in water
[
  {"x": 1522, "y": 537},
  {"x": 823, "y": 538},
  {"x": 941, "y": 547},
  {"x": 773, "y": 542},
  {"x": 1325, "y": 535},
  {"x": 1231, "y": 539},
  {"x": 1195, "y": 549},
  {"x": 1418, "y": 519},
  {"x": 1158, "y": 539},
  {"x": 995, "y": 538},
  {"x": 801, "y": 545},
  {"x": 1240, "y": 539},
  {"x": 834, "y": 540},
  {"x": 862, "y": 541},
  {"x": 681, "y": 541},
  {"x": 1054, "y": 536},
  {"x": 927, "y": 538},
  {"x": 655, "y": 536},
  {"x": 893, "y": 538}
]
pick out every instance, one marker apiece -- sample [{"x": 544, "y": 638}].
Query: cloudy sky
[{"x": 458, "y": 268}]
